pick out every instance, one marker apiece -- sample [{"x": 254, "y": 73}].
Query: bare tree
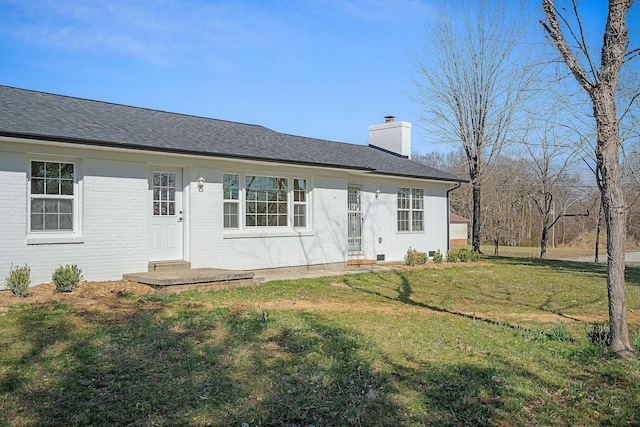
[
  {"x": 600, "y": 81},
  {"x": 470, "y": 85},
  {"x": 550, "y": 163}
]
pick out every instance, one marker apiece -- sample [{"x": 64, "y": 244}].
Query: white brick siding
[{"x": 114, "y": 209}]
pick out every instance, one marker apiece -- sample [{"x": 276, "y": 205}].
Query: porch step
[
  {"x": 177, "y": 280},
  {"x": 169, "y": 265}
]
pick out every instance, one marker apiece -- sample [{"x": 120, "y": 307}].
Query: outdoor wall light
[
  {"x": 201, "y": 182},
  {"x": 378, "y": 194}
]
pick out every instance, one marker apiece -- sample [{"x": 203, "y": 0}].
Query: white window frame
[
  {"x": 229, "y": 201},
  {"x": 46, "y": 236},
  {"x": 410, "y": 210},
  {"x": 293, "y": 226},
  {"x": 300, "y": 201}
]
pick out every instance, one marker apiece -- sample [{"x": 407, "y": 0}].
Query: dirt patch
[
  {"x": 433, "y": 265},
  {"x": 89, "y": 296}
]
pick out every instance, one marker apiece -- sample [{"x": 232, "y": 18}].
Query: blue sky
[{"x": 318, "y": 68}]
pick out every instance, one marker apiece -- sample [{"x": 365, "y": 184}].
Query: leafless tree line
[{"x": 481, "y": 90}]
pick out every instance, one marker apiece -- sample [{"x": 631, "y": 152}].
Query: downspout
[{"x": 458, "y": 184}]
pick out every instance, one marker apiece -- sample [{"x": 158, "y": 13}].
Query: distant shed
[{"x": 458, "y": 229}]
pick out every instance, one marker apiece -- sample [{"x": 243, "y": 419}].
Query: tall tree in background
[
  {"x": 470, "y": 86},
  {"x": 601, "y": 82}
]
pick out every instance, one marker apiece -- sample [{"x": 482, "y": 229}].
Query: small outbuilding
[{"x": 458, "y": 229}]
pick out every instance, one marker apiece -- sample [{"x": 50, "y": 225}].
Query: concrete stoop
[{"x": 172, "y": 280}]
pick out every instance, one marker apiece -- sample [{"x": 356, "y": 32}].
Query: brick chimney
[{"x": 392, "y": 136}]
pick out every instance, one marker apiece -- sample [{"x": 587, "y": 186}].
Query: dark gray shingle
[{"x": 44, "y": 116}]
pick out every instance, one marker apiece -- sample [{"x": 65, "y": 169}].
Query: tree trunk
[
  {"x": 544, "y": 238},
  {"x": 613, "y": 204},
  {"x": 475, "y": 226},
  {"x": 601, "y": 86},
  {"x": 598, "y": 225}
]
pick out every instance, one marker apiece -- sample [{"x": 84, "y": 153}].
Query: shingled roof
[{"x": 48, "y": 117}]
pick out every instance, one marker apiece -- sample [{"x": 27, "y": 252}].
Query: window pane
[
  {"x": 66, "y": 222},
  {"x": 65, "y": 206},
  {"x": 251, "y": 220},
  {"x": 156, "y": 179},
  {"x": 164, "y": 179},
  {"x": 37, "y": 186},
  {"x": 66, "y": 187},
  {"x": 37, "y": 169},
  {"x": 403, "y": 198},
  {"x": 52, "y": 186},
  {"x": 37, "y": 205},
  {"x": 51, "y": 221},
  {"x": 156, "y": 193},
  {"x": 172, "y": 194},
  {"x": 231, "y": 215},
  {"x": 171, "y": 180},
  {"x": 172, "y": 208},
  {"x": 52, "y": 170},
  {"x": 403, "y": 221},
  {"x": 231, "y": 186},
  {"x": 270, "y": 195},
  {"x": 66, "y": 171},
  {"x": 37, "y": 222},
  {"x": 417, "y": 221},
  {"x": 156, "y": 208},
  {"x": 417, "y": 199},
  {"x": 51, "y": 206},
  {"x": 299, "y": 216}
]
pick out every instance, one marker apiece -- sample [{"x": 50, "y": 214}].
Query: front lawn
[{"x": 471, "y": 344}]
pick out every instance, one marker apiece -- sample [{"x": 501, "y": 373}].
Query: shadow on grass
[
  {"x": 632, "y": 271},
  {"x": 224, "y": 367},
  {"x": 405, "y": 296}
]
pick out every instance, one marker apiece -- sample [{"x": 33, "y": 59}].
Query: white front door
[{"x": 165, "y": 234}]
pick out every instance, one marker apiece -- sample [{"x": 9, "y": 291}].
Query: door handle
[{"x": 180, "y": 219}]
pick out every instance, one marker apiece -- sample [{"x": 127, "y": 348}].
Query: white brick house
[{"x": 112, "y": 188}]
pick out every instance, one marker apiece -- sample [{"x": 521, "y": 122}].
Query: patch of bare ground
[
  {"x": 433, "y": 265},
  {"x": 89, "y": 296}
]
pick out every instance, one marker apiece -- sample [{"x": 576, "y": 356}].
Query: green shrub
[
  {"x": 67, "y": 278},
  {"x": 598, "y": 334},
  {"x": 437, "y": 257},
  {"x": 414, "y": 257},
  {"x": 18, "y": 280},
  {"x": 463, "y": 255},
  {"x": 559, "y": 332}
]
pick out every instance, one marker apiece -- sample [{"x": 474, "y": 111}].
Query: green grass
[{"x": 498, "y": 343}]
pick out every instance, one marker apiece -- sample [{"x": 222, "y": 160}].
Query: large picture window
[
  {"x": 266, "y": 201},
  {"x": 52, "y": 195},
  {"x": 410, "y": 209},
  {"x": 259, "y": 201}
]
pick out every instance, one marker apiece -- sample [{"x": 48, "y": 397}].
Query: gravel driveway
[{"x": 630, "y": 258}]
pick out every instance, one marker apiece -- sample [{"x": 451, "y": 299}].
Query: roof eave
[{"x": 129, "y": 146}]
